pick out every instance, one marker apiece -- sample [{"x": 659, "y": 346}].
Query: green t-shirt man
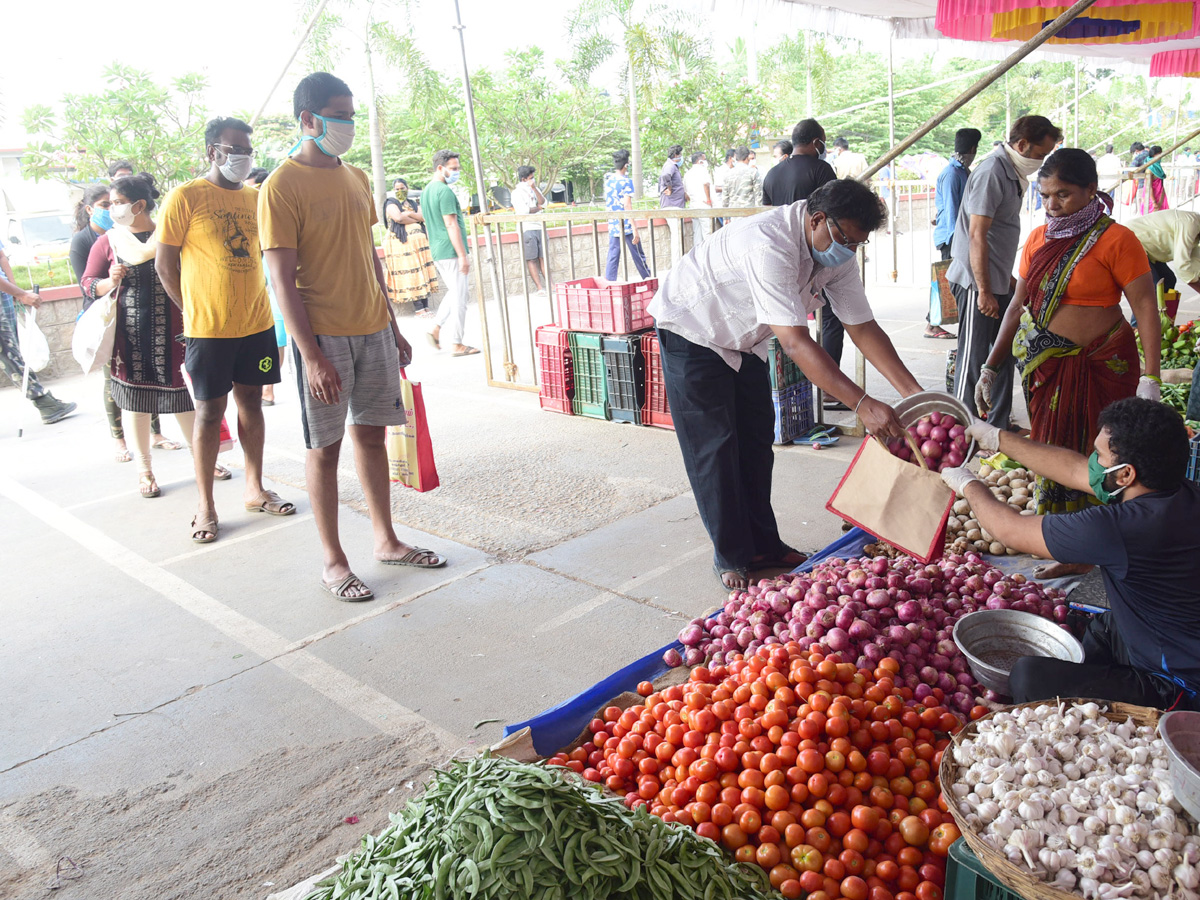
[{"x": 437, "y": 200}]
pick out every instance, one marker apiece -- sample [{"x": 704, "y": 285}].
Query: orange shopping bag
[{"x": 409, "y": 448}]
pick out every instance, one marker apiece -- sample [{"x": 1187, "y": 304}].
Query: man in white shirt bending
[
  {"x": 698, "y": 186},
  {"x": 757, "y": 277}
]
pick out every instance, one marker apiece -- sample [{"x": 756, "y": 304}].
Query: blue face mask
[
  {"x": 835, "y": 255},
  {"x": 336, "y": 137},
  {"x": 102, "y": 218},
  {"x": 452, "y": 177}
]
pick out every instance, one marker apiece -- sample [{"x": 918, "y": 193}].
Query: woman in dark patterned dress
[{"x": 147, "y": 358}]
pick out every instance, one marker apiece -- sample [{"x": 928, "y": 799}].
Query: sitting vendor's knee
[{"x": 1029, "y": 680}]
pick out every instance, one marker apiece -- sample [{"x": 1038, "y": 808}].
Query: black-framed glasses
[
  {"x": 845, "y": 241},
  {"x": 236, "y": 151}
]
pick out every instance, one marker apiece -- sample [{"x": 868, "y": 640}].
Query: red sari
[{"x": 1066, "y": 386}]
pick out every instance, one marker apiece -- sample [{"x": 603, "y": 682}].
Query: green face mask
[
  {"x": 1097, "y": 475},
  {"x": 401, "y": 193}
]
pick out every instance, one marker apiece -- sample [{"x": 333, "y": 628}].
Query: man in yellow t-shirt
[
  {"x": 209, "y": 263},
  {"x": 315, "y": 216}
]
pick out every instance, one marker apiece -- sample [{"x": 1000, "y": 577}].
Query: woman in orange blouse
[{"x": 1075, "y": 351}]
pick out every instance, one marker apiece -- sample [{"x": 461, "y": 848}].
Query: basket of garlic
[
  {"x": 963, "y": 531},
  {"x": 1067, "y": 798}
]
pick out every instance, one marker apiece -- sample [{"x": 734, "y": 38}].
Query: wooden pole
[
  {"x": 300, "y": 43},
  {"x": 974, "y": 90}
]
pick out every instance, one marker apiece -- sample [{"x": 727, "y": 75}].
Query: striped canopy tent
[
  {"x": 1176, "y": 63},
  {"x": 1106, "y": 22}
]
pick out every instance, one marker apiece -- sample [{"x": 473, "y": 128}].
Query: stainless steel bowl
[
  {"x": 993, "y": 639},
  {"x": 1180, "y": 731},
  {"x": 912, "y": 409}
]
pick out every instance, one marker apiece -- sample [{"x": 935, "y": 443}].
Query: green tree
[
  {"x": 708, "y": 114},
  {"x": 524, "y": 118},
  {"x": 160, "y": 129},
  {"x": 650, "y": 39}
]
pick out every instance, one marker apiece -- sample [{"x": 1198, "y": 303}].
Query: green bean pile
[{"x": 493, "y": 828}]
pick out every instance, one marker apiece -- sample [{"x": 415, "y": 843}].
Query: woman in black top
[
  {"x": 411, "y": 274},
  {"x": 92, "y": 219}
]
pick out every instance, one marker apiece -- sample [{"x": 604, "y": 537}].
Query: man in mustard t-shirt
[
  {"x": 315, "y": 215},
  {"x": 209, "y": 263}
]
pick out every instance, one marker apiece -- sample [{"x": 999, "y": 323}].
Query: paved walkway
[{"x": 138, "y": 665}]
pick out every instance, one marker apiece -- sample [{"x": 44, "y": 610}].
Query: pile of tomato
[{"x": 821, "y": 773}]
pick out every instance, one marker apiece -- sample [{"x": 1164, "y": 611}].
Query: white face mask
[
  {"x": 1025, "y": 166},
  {"x": 336, "y": 137},
  {"x": 122, "y": 214},
  {"x": 236, "y": 166}
]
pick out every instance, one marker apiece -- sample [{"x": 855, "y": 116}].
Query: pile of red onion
[
  {"x": 939, "y": 437},
  {"x": 866, "y": 609}
]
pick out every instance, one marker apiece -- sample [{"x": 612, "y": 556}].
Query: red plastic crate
[
  {"x": 588, "y": 305},
  {"x": 655, "y": 411},
  {"x": 556, "y": 377}
]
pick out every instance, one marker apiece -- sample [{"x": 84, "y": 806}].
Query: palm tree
[{"x": 650, "y": 38}]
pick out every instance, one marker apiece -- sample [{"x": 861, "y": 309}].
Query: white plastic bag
[
  {"x": 32, "y": 342},
  {"x": 92, "y": 342}
]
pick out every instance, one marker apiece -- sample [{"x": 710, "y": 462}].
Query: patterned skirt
[
  {"x": 147, "y": 359},
  {"x": 411, "y": 274},
  {"x": 1066, "y": 387}
]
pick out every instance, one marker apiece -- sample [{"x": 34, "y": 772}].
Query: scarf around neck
[
  {"x": 128, "y": 248},
  {"x": 1076, "y": 223}
]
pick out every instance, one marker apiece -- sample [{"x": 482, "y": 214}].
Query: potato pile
[{"x": 963, "y": 531}]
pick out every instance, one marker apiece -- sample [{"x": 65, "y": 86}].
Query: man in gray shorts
[
  {"x": 526, "y": 200},
  {"x": 315, "y": 216}
]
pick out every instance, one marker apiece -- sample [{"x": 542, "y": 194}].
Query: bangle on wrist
[
  {"x": 995, "y": 370},
  {"x": 1153, "y": 378},
  {"x": 859, "y": 403}
]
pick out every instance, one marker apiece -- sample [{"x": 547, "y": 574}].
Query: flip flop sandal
[
  {"x": 823, "y": 437},
  {"x": 165, "y": 444},
  {"x": 433, "y": 342},
  {"x": 124, "y": 456},
  {"x": 149, "y": 487},
  {"x": 470, "y": 351},
  {"x": 272, "y": 504},
  {"x": 937, "y": 333},
  {"x": 342, "y": 588},
  {"x": 780, "y": 562},
  {"x": 268, "y": 403},
  {"x": 206, "y": 524},
  {"x": 722, "y": 572},
  {"x": 220, "y": 473},
  {"x": 414, "y": 557}
]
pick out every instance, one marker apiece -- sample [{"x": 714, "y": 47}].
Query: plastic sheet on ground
[{"x": 556, "y": 727}]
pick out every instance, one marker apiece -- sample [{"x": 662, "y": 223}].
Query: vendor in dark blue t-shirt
[{"x": 1144, "y": 536}]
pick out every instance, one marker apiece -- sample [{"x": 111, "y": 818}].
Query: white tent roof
[{"x": 871, "y": 20}]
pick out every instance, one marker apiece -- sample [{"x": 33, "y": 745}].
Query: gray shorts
[
  {"x": 532, "y": 245},
  {"x": 369, "y": 367}
]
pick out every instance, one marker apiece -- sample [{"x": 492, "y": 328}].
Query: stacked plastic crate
[
  {"x": 791, "y": 395},
  {"x": 603, "y": 328}
]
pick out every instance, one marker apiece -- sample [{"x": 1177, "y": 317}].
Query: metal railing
[{"x": 510, "y": 320}]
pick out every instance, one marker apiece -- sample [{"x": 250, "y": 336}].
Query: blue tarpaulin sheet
[{"x": 558, "y": 726}]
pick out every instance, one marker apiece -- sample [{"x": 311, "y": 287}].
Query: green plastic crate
[
  {"x": 968, "y": 879},
  {"x": 784, "y": 372},
  {"x": 591, "y": 390}
]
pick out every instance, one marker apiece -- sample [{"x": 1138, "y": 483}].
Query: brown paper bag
[
  {"x": 897, "y": 501},
  {"x": 945, "y": 296}
]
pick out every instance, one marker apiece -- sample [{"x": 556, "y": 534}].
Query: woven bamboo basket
[{"x": 1019, "y": 878}]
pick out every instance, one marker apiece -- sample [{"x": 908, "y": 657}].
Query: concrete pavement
[{"x": 183, "y": 718}]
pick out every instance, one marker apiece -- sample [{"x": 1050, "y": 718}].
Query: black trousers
[
  {"x": 976, "y": 335},
  {"x": 725, "y": 424},
  {"x": 1104, "y": 674},
  {"x": 1162, "y": 272},
  {"x": 833, "y": 333}
]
